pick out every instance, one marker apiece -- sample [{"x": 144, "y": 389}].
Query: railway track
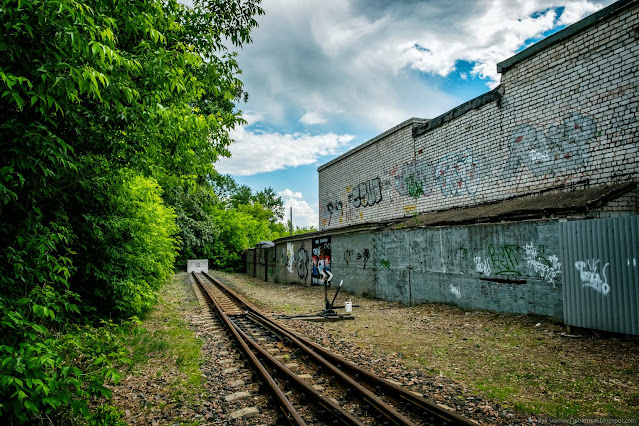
[{"x": 307, "y": 383}]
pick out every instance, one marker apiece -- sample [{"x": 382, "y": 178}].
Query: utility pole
[{"x": 291, "y": 221}]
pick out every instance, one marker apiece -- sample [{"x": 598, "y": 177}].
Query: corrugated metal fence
[{"x": 601, "y": 273}]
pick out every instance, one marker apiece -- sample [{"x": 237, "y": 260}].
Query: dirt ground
[{"x": 500, "y": 363}]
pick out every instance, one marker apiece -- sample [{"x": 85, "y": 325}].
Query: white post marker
[{"x": 197, "y": 265}]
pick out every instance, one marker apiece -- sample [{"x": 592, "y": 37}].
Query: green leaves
[{"x": 104, "y": 103}]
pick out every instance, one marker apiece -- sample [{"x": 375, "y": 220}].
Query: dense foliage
[
  {"x": 106, "y": 107},
  {"x": 220, "y": 219}
]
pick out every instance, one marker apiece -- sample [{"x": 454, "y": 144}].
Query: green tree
[
  {"x": 103, "y": 104},
  {"x": 219, "y": 219}
]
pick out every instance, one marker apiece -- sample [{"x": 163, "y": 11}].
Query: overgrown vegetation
[
  {"x": 219, "y": 219},
  {"x": 113, "y": 114},
  {"x": 164, "y": 345}
]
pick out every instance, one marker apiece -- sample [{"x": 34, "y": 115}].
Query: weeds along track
[{"x": 307, "y": 383}]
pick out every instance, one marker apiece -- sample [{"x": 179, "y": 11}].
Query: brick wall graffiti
[
  {"x": 336, "y": 209},
  {"x": 366, "y": 193},
  {"x": 301, "y": 262},
  {"x": 413, "y": 179},
  {"x": 458, "y": 174},
  {"x": 591, "y": 278},
  {"x": 561, "y": 148}
]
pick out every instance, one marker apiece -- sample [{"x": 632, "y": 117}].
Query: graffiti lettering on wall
[
  {"x": 504, "y": 259},
  {"x": 349, "y": 254},
  {"x": 413, "y": 179},
  {"x": 561, "y": 148},
  {"x": 321, "y": 259},
  {"x": 482, "y": 266},
  {"x": 301, "y": 260},
  {"x": 336, "y": 208},
  {"x": 591, "y": 278},
  {"x": 366, "y": 255},
  {"x": 547, "y": 268},
  {"x": 290, "y": 257},
  {"x": 458, "y": 174},
  {"x": 455, "y": 291},
  {"x": 366, "y": 193}
]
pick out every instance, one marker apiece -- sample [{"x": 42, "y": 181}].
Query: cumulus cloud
[
  {"x": 258, "y": 151},
  {"x": 312, "y": 117},
  {"x": 304, "y": 215},
  {"x": 287, "y": 193},
  {"x": 359, "y": 61}
]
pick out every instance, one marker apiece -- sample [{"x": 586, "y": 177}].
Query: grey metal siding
[{"x": 601, "y": 275}]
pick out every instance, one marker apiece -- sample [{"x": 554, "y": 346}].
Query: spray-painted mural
[
  {"x": 321, "y": 259},
  {"x": 458, "y": 173},
  {"x": 562, "y": 148},
  {"x": 413, "y": 179}
]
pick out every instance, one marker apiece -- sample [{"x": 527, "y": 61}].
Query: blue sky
[{"x": 324, "y": 76}]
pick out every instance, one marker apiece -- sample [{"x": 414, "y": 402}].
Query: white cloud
[
  {"x": 313, "y": 118},
  {"x": 259, "y": 152},
  {"x": 287, "y": 193},
  {"x": 304, "y": 215},
  {"x": 358, "y": 61},
  {"x": 575, "y": 11}
]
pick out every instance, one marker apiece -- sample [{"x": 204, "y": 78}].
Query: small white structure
[{"x": 197, "y": 265}]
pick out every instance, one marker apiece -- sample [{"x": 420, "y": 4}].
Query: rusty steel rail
[
  {"x": 394, "y": 393},
  {"x": 259, "y": 355},
  {"x": 363, "y": 385},
  {"x": 287, "y": 409}
]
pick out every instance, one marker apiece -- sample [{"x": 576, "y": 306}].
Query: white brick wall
[{"x": 567, "y": 119}]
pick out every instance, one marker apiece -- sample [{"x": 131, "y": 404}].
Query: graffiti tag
[
  {"x": 366, "y": 193},
  {"x": 455, "y": 291},
  {"x": 482, "y": 266},
  {"x": 414, "y": 178},
  {"x": 591, "y": 278},
  {"x": 563, "y": 147},
  {"x": 546, "y": 268},
  {"x": 337, "y": 208},
  {"x": 301, "y": 260},
  {"x": 504, "y": 259},
  {"x": 458, "y": 174}
]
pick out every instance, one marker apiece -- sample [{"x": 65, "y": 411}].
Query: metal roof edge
[
  {"x": 566, "y": 33},
  {"x": 410, "y": 121},
  {"x": 459, "y": 110}
]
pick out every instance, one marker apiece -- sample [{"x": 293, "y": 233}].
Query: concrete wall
[
  {"x": 564, "y": 117},
  {"x": 500, "y": 267},
  {"x": 250, "y": 262},
  {"x": 292, "y": 262},
  {"x": 508, "y": 268}
]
